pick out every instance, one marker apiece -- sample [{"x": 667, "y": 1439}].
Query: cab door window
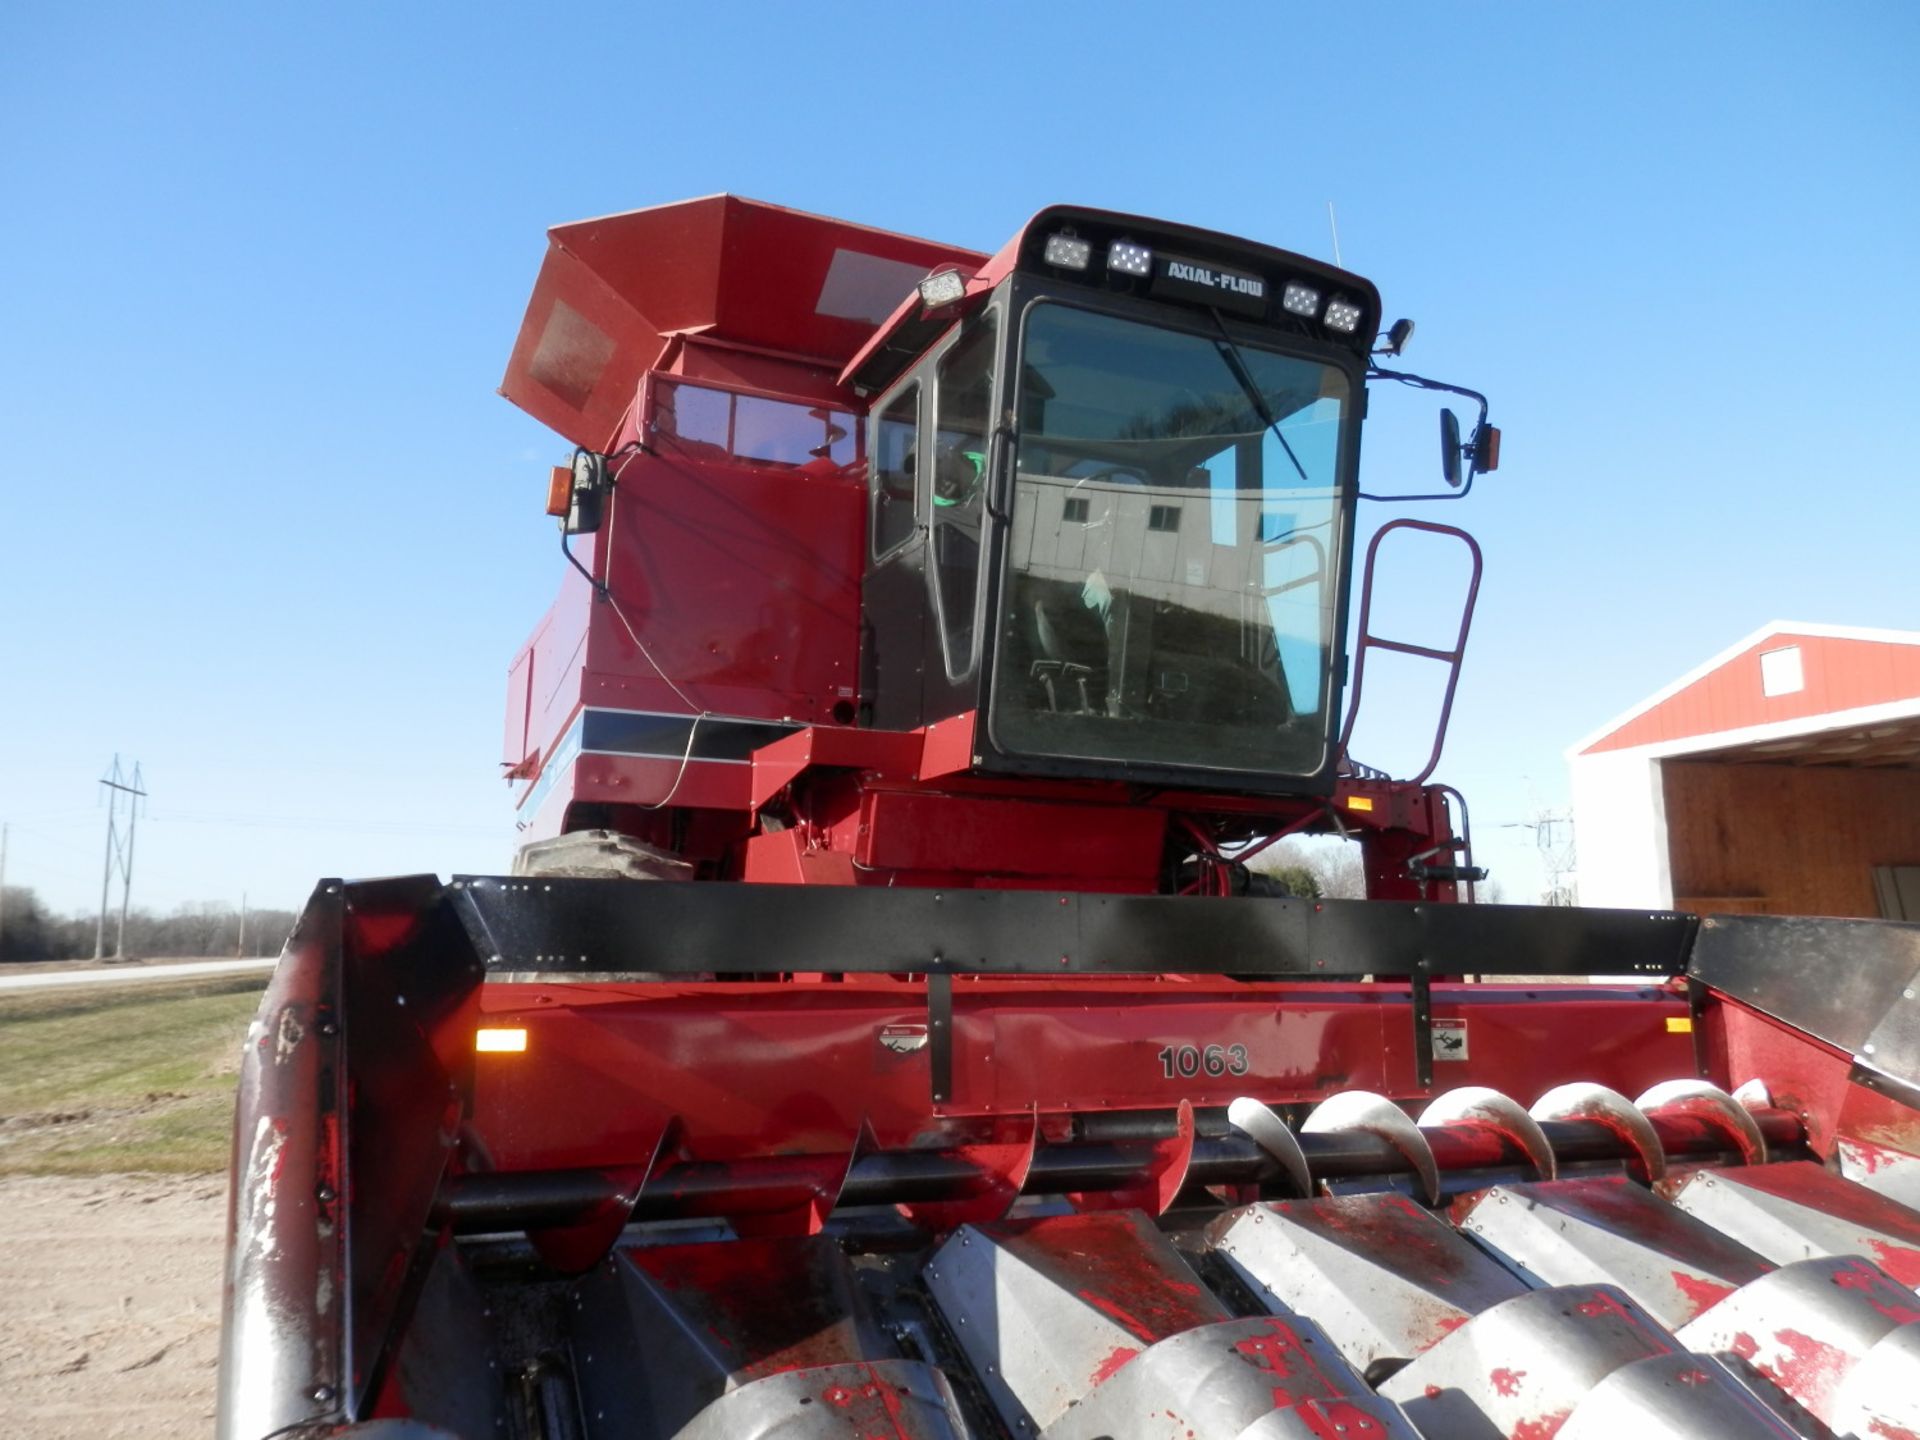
[
  {"x": 895, "y": 452},
  {"x": 962, "y": 423}
]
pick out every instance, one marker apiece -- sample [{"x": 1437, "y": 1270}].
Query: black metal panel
[
  {"x": 1851, "y": 983},
  {"x": 1421, "y": 995},
  {"x": 1553, "y": 940},
  {"x": 705, "y": 737},
  {"x": 615, "y": 927},
  {"x": 940, "y": 1035}
]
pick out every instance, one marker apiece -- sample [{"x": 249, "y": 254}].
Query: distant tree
[
  {"x": 201, "y": 928},
  {"x": 1298, "y": 880},
  {"x": 25, "y": 932},
  {"x": 1333, "y": 866}
]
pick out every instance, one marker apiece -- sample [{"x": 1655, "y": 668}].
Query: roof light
[
  {"x": 1129, "y": 259},
  {"x": 941, "y": 288},
  {"x": 1342, "y": 315},
  {"x": 1298, "y": 299},
  {"x": 500, "y": 1041},
  {"x": 1067, "y": 252}
]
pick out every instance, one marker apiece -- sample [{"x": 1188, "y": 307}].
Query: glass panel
[
  {"x": 694, "y": 415},
  {"x": 963, "y": 401},
  {"x": 722, "y": 424},
  {"x": 894, "y": 434},
  {"x": 789, "y": 434},
  {"x": 1171, "y": 561}
]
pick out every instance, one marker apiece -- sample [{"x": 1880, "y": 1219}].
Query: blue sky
[{"x": 265, "y": 527}]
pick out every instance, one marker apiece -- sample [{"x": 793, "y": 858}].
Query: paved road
[{"x": 132, "y": 974}]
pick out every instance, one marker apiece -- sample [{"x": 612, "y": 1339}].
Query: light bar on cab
[
  {"x": 1068, "y": 252},
  {"x": 943, "y": 287},
  {"x": 1342, "y": 315},
  {"x": 1129, "y": 259},
  {"x": 1298, "y": 299}
]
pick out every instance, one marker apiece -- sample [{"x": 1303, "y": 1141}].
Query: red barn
[{"x": 1780, "y": 777}]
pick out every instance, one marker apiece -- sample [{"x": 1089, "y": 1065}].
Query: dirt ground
[{"x": 109, "y": 1305}]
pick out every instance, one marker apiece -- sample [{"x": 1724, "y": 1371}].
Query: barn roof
[{"x": 1787, "y": 679}]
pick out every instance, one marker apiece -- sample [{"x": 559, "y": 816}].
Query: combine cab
[{"x": 882, "y": 1033}]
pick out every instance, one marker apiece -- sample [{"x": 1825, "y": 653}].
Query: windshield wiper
[{"x": 1237, "y": 363}]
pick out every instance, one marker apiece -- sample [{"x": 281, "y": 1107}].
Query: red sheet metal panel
[
  {"x": 1840, "y": 674},
  {"x": 916, "y": 830},
  {"x": 613, "y": 290},
  {"x": 753, "y": 1068}
]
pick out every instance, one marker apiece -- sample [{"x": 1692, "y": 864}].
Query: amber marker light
[
  {"x": 560, "y": 490},
  {"x": 500, "y": 1041}
]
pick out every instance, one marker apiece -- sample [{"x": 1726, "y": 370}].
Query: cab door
[
  {"x": 923, "y": 600},
  {"x": 956, "y": 477},
  {"x": 893, "y": 595}
]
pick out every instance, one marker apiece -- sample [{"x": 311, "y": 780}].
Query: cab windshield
[{"x": 1173, "y": 558}]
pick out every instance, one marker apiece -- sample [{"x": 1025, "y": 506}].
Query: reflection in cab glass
[
  {"x": 892, "y": 461},
  {"x": 1172, "y": 562},
  {"x": 962, "y": 399}
]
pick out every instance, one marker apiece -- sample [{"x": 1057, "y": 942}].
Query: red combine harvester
[{"x": 882, "y": 1033}]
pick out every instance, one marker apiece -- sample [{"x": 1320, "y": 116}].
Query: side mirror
[
  {"x": 1450, "y": 448},
  {"x": 586, "y": 497}
]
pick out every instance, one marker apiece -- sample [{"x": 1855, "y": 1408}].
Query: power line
[{"x": 119, "y": 855}]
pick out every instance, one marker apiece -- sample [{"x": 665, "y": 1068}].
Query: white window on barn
[{"x": 1781, "y": 672}]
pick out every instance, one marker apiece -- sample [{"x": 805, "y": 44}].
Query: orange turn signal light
[
  {"x": 1486, "y": 448},
  {"x": 560, "y": 490},
  {"x": 500, "y": 1041}
]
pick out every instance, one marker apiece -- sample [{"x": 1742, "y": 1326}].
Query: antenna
[{"x": 1334, "y": 226}]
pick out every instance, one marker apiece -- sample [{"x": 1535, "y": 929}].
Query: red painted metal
[
  {"x": 924, "y": 830},
  {"x": 1840, "y": 673},
  {"x": 1004, "y": 1159},
  {"x": 729, "y": 575},
  {"x": 1162, "y": 1179},
  {"x": 756, "y": 1068},
  {"x": 698, "y": 685},
  {"x": 614, "y": 292}
]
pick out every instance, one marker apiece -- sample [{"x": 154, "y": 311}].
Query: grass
[{"x": 140, "y": 1078}]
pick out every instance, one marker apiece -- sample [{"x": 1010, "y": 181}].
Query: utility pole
[
  {"x": 3, "y": 883},
  {"x": 119, "y": 855},
  {"x": 1557, "y": 856},
  {"x": 240, "y": 945}
]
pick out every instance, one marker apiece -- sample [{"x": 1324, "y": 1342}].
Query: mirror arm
[{"x": 1480, "y": 427}]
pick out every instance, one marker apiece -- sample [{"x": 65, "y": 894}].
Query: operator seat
[{"x": 1059, "y": 658}]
